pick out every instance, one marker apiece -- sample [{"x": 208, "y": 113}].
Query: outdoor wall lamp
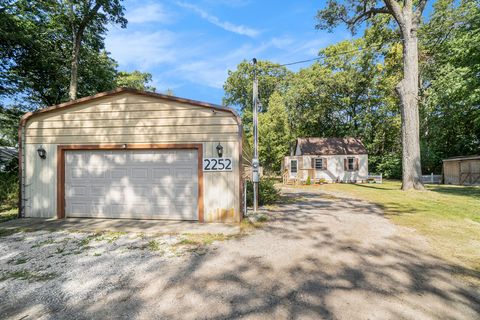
[
  {"x": 42, "y": 153},
  {"x": 219, "y": 150}
]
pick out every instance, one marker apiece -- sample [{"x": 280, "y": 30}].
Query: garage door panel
[
  {"x": 118, "y": 173},
  {"x": 185, "y": 191},
  {"x": 161, "y": 184},
  {"x": 139, "y": 173}
]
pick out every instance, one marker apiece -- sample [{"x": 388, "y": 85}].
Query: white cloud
[
  {"x": 152, "y": 12},
  {"x": 140, "y": 48},
  {"x": 230, "y": 3},
  {"x": 228, "y": 26},
  {"x": 213, "y": 71}
]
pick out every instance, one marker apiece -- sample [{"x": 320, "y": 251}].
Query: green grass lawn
[{"x": 448, "y": 216}]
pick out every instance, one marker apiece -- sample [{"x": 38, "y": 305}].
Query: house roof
[
  {"x": 8, "y": 153},
  {"x": 330, "y": 146},
  {"x": 132, "y": 91},
  {"x": 473, "y": 157}
]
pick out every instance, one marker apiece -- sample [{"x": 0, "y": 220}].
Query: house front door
[{"x": 293, "y": 168}]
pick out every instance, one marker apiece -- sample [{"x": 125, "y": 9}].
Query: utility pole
[{"x": 255, "y": 162}]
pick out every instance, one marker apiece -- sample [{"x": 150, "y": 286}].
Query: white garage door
[{"x": 147, "y": 184}]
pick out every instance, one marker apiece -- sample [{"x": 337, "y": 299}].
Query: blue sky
[{"x": 189, "y": 46}]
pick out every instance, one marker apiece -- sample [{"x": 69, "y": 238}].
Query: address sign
[{"x": 217, "y": 164}]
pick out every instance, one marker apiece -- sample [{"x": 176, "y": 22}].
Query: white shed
[
  {"x": 327, "y": 160},
  {"x": 132, "y": 154}
]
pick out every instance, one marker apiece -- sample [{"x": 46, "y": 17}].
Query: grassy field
[{"x": 448, "y": 216}]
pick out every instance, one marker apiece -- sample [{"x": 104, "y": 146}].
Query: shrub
[
  {"x": 390, "y": 165},
  {"x": 308, "y": 182},
  {"x": 8, "y": 189},
  {"x": 267, "y": 193}
]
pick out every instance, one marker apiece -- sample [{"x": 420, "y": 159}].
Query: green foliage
[
  {"x": 309, "y": 181},
  {"x": 37, "y": 42},
  {"x": 238, "y": 87},
  {"x": 267, "y": 192},
  {"x": 8, "y": 190},
  {"x": 351, "y": 92},
  {"x": 390, "y": 165},
  {"x": 451, "y": 95},
  {"x": 136, "y": 80},
  {"x": 274, "y": 134},
  {"x": 9, "y": 119}
]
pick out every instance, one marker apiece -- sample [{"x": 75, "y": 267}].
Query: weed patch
[
  {"x": 43, "y": 243},
  {"x": 18, "y": 261},
  {"x": 153, "y": 245},
  {"x": 10, "y": 231},
  {"x": 30, "y": 276},
  {"x": 201, "y": 239}
]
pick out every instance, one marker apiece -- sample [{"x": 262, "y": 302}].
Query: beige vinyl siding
[
  {"x": 122, "y": 119},
  {"x": 151, "y": 138},
  {"x": 133, "y": 119},
  {"x": 221, "y": 197},
  {"x": 40, "y": 182},
  {"x": 150, "y": 122}
]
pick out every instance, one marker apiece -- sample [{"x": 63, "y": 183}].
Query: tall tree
[
  {"x": 84, "y": 16},
  {"x": 136, "y": 80},
  {"x": 35, "y": 56},
  {"x": 407, "y": 14},
  {"x": 451, "y": 95},
  {"x": 350, "y": 94},
  {"x": 238, "y": 87},
  {"x": 274, "y": 134}
]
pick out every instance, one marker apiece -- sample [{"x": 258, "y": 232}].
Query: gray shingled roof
[
  {"x": 8, "y": 153},
  {"x": 330, "y": 146}
]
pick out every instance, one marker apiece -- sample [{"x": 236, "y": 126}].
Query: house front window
[
  {"x": 352, "y": 164},
  {"x": 293, "y": 166},
  {"x": 319, "y": 163}
]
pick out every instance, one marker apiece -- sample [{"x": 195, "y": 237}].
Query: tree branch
[
  {"x": 367, "y": 14},
  {"x": 396, "y": 10},
  {"x": 420, "y": 7},
  {"x": 408, "y": 4}
]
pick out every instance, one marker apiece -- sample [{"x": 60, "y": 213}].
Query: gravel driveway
[{"x": 319, "y": 257}]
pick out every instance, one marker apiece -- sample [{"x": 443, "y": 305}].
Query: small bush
[
  {"x": 267, "y": 193},
  {"x": 8, "y": 190},
  {"x": 308, "y": 182}
]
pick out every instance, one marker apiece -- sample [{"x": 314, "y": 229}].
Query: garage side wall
[{"x": 132, "y": 119}]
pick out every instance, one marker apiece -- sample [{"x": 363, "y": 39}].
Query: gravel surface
[{"x": 319, "y": 257}]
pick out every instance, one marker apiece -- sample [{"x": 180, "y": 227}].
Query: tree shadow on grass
[{"x": 471, "y": 192}]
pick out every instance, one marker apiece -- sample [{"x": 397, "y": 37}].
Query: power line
[{"x": 330, "y": 55}]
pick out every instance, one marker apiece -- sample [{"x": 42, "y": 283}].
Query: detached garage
[{"x": 132, "y": 154}]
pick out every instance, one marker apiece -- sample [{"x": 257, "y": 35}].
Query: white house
[{"x": 327, "y": 160}]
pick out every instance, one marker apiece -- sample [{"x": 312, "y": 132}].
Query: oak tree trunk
[
  {"x": 74, "y": 67},
  {"x": 77, "y": 42},
  {"x": 407, "y": 90}
]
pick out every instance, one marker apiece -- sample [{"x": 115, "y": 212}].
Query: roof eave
[{"x": 114, "y": 92}]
